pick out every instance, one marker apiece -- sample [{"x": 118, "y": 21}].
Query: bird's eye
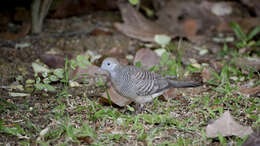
[{"x": 108, "y": 63}]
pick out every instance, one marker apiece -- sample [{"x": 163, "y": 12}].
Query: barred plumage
[{"x": 139, "y": 85}]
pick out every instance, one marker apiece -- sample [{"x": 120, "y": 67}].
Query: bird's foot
[{"x": 140, "y": 108}]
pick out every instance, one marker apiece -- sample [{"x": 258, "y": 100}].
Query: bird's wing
[{"x": 147, "y": 83}]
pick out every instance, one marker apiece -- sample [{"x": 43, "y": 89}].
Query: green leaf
[
  {"x": 53, "y": 78},
  {"x": 59, "y": 72},
  {"x": 133, "y": 2},
  {"x": 155, "y": 118},
  {"x": 41, "y": 86},
  {"x": 14, "y": 94},
  {"x": 162, "y": 40},
  {"x": 49, "y": 87},
  {"x": 17, "y": 130},
  {"x": 46, "y": 81},
  {"x": 257, "y": 43},
  {"x": 73, "y": 64},
  {"x": 83, "y": 61},
  {"x": 149, "y": 12},
  {"x": 253, "y": 33},
  {"x": 238, "y": 31},
  {"x": 130, "y": 108},
  {"x": 164, "y": 59},
  {"x": 39, "y": 68},
  {"x": 154, "y": 68},
  {"x": 100, "y": 82},
  {"x": 138, "y": 64}
]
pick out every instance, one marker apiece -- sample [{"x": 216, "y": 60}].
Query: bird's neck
[{"x": 113, "y": 73}]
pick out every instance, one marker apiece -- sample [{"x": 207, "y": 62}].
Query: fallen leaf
[
  {"x": 97, "y": 32},
  {"x": 15, "y": 94},
  {"x": 191, "y": 27},
  {"x": 225, "y": 10},
  {"x": 24, "y": 30},
  {"x": 186, "y": 18},
  {"x": 147, "y": 57},
  {"x": 91, "y": 70},
  {"x": 53, "y": 60},
  {"x": 116, "y": 98},
  {"x": 197, "y": 21},
  {"x": 206, "y": 74},
  {"x": 246, "y": 63},
  {"x": 246, "y": 24},
  {"x": 250, "y": 91},
  {"x": 85, "y": 139},
  {"x": 23, "y": 17},
  {"x": 227, "y": 126},
  {"x": 216, "y": 65},
  {"x": 115, "y": 51},
  {"x": 171, "y": 93},
  {"x": 162, "y": 40},
  {"x": 137, "y": 26},
  {"x": 44, "y": 131},
  {"x": 38, "y": 68}
]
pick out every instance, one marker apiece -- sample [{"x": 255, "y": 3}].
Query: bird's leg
[{"x": 139, "y": 108}]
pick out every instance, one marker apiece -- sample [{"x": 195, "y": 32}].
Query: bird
[{"x": 138, "y": 85}]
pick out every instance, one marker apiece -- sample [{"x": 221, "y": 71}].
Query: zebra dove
[{"x": 138, "y": 85}]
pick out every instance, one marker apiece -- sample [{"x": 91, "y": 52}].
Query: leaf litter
[{"x": 227, "y": 126}]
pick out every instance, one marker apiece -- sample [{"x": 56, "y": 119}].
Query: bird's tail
[{"x": 183, "y": 84}]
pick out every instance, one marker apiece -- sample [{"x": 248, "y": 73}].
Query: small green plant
[
  {"x": 246, "y": 40},
  {"x": 44, "y": 79},
  {"x": 80, "y": 61},
  {"x": 15, "y": 130},
  {"x": 134, "y": 2},
  {"x": 170, "y": 65}
]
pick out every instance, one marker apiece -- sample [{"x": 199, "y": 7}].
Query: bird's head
[{"x": 109, "y": 64}]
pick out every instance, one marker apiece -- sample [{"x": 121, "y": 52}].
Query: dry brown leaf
[
  {"x": 21, "y": 15},
  {"x": 191, "y": 27},
  {"x": 115, "y": 51},
  {"x": 25, "y": 29},
  {"x": 225, "y": 10},
  {"x": 147, "y": 57},
  {"x": 98, "y": 31},
  {"x": 180, "y": 16},
  {"x": 206, "y": 74},
  {"x": 90, "y": 70},
  {"x": 53, "y": 60},
  {"x": 250, "y": 91},
  {"x": 85, "y": 139},
  {"x": 137, "y": 26},
  {"x": 227, "y": 126},
  {"x": 198, "y": 20},
  {"x": 171, "y": 93},
  {"x": 216, "y": 65},
  {"x": 246, "y": 24},
  {"x": 116, "y": 98},
  {"x": 245, "y": 63}
]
